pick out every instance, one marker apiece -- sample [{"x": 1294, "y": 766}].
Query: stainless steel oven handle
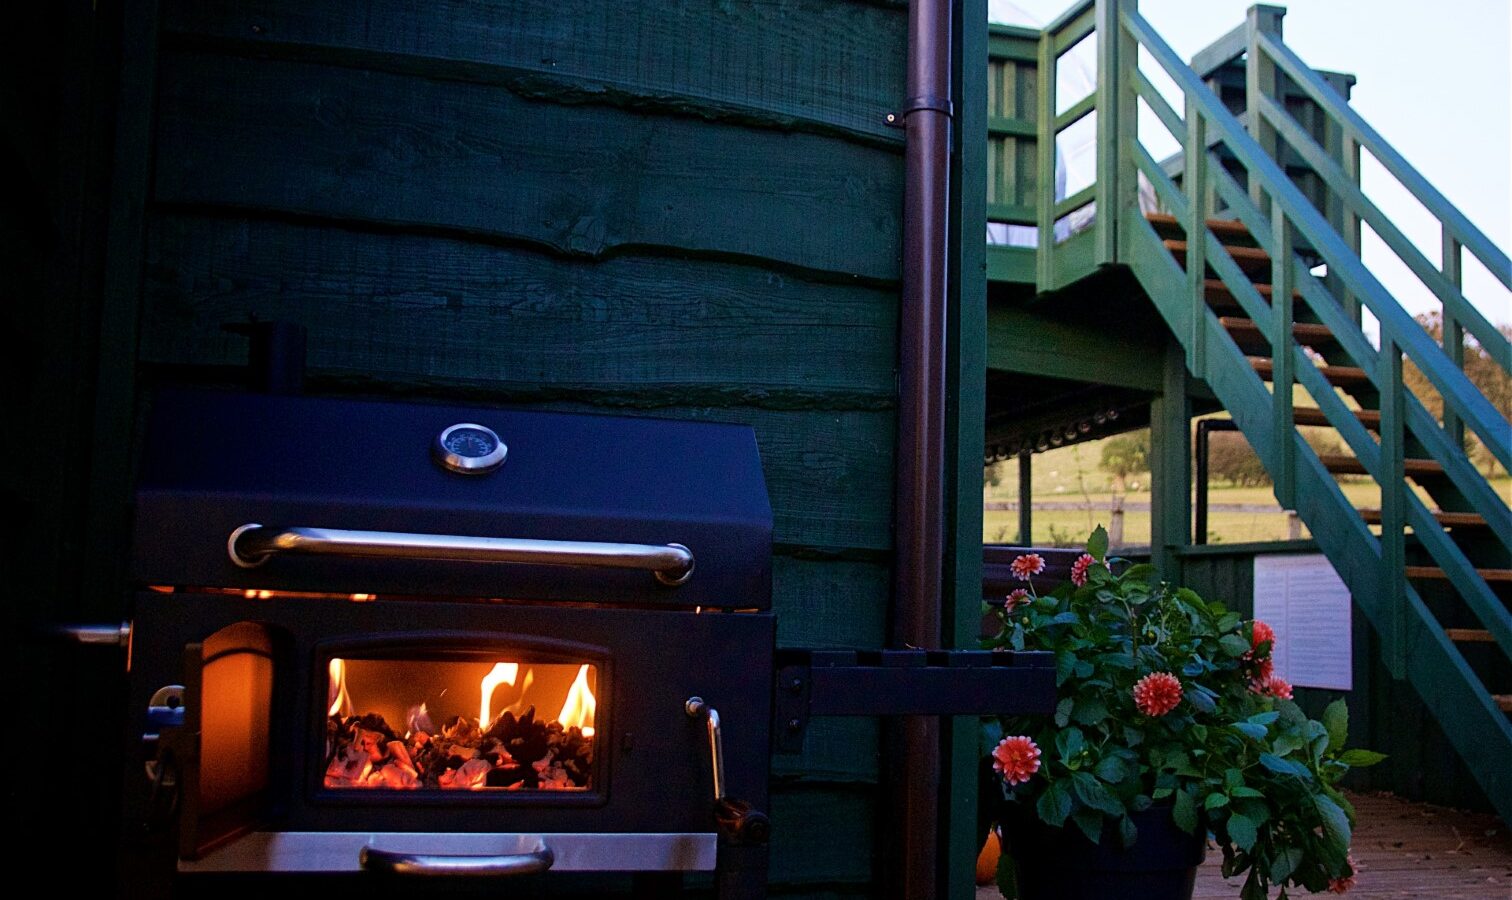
[
  {"x": 538, "y": 860},
  {"x": 252, "y": 545}
]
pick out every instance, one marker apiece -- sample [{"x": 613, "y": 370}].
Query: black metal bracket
[
  {"x": 921, "y": 104},
  {"x": 906, "y": 683}
]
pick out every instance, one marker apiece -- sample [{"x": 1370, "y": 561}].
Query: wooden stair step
[
  {"x": 1309, "y": 333},
  {"x": 1434, "y": 573},
  {"x": 1224, "y": 229},
  {"x": 1252, "y": 260},
  {"x": 1447, "y": 519},
  {"x": 1308, "y": 415},
  {"x": 1503, "y": 701},
  {"x": 1348, "y": 465},
  {"x": 1339, "y": 376},
  {"x": 1470, "y": 635}
]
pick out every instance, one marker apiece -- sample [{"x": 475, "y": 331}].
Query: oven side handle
[
  {"x": 252, "y": 545},
  {"x": 538, "y": 860}
]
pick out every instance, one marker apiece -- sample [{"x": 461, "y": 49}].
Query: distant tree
[
  {"x": 1126, "y": 455},
  {"x": 1231, "y": 459},
  {"x": 1482, "y": 371}
]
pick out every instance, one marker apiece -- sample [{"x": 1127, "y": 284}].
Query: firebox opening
[{"x": 502, "y": 724}]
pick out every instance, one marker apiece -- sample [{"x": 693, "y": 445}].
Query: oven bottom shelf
[{"x": 340, "y": 851}]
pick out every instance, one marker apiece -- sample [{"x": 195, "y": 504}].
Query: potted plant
[{"x": 1171, "y": 726}]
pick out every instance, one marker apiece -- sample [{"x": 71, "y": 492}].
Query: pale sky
[{"x": 1434, "y": 79}]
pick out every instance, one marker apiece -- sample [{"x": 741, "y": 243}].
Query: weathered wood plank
[
  {"x": 830, "y": 603},
  {"x": 822, "y": 835},
  {"x": 808, "y": 63},
  {"x": 344, "y": 144},
  {"x": 403, "y": 305}
]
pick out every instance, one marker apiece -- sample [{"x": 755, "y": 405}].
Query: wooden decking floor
[{"x": 1403, "y": 850}]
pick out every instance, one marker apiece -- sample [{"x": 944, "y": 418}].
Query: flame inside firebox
[{"x": 409, "y": 725}]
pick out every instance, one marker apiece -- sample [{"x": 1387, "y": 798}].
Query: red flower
[
  {"x": 1080, "y": 567},
  {"x": 1272, "y": 686},
  {"x": 1344, "y": 882},
  {"x": 1264, "y": 670},
  {"x": 1026, "y": 566},
  {"x": 1016, "y": 598},
  {"x": 1262, "y": 634},
  {"x": 1016, "y": 758},
  {"x": 1157, "y": 693}
]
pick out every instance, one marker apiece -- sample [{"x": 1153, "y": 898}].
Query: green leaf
[
  {"x": 1097, "y": 544},
  {"x": 1091, "y": 711},
  {"x": 1250, "y": 729},
  {"x": 1359, "y": 759},
  {"x": 1264, "y": 718},
  {"x": 1284, "y": 863},
  {"x": 1007, "y": 875},
  {"x": 1063, "y": 711},
  {"x": 1252, "y": 889},
  {"x": 1245, "y": 791},
  {"x": 1336, "y": 721},
  {"x": 1243, "y": 831},
  {"x": 1133, "y": 736},
  {"x": 1234, "y": 645},
  {"x": 1128, "y": 833},
  {"x": 1215, "y": 800},
  {"x": 1054, "y": 804},
  {"x": 1069, "y": 743},
  {"x": 1200, "y": 699},
  {"x": 1282, "y": 766},
  {"x": 1065, "y": 662},
  {"x": 1184, "y": 812},
  {"x": 1137, "y": 573},
  {"x": 1090, "y": 821},
  {"x": 1091, "y": 792},
  {"x": 1118, "y": 660},
  {"x": 1228, "y": 622},
  {"x": 1335, "y": 822},
  {"x": 1110, "y": 769}
]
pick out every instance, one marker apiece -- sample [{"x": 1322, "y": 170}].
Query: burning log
[{"x": 512, "y": 753}]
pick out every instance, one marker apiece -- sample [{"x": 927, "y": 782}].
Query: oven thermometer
[{"x": 469, "y": 449}]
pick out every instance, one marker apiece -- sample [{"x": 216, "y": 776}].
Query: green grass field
[{"x": 1072, "y": 475}]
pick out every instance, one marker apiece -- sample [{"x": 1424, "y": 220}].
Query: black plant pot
[{"x": 1061, "y": 864}]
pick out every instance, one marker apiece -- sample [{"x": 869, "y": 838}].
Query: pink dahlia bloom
[
  {"x": 1080, "y": 567},
  {"x": 1016, "y": 758},
  {"x": 1343, "y": 883},
  {"x": 1274, "y": 686},
  {"x": 1016, "y": 598},
  {"x": 1157, "y": 693},
  {"x": 1027, "y": 566}
]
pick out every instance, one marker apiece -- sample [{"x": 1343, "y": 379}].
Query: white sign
[{"x": 1302, "y": 598}]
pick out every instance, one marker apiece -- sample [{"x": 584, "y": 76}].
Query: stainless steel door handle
[
  {"x": 252, "y": 545},
  {"x": 538, "y": 860}
]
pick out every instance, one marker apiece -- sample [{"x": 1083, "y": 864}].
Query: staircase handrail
[
  {"x": 1454, "y": 222},
  {"x": 1460, "y": 395}
]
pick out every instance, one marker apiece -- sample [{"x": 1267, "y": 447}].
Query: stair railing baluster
[
  {"x": 1454, "y": 330},
  {"x": 1283, "y": 357},
  {"x": 1194, "y": 181},
  {"x": 1044, "y": 182},
  {"x": 1260, "y": 80},
  {"x": 1392, "y": 477}
]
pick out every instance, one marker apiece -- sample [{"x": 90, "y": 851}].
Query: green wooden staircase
[{"x": 1253, "y": 261}]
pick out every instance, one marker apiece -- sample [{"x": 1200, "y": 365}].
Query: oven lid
[{"x": 263, "y": 492}]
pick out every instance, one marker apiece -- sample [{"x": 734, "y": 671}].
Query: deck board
[{"x": 1403, "y": 849}]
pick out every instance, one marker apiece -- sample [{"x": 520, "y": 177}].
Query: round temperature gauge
[{"x": 469, "y": 449}]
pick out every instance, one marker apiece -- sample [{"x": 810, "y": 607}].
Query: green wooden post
[
  {"x": 1283, "y": 359},
  {"x": 1454, "y": 331},
  {"x": 1260, "y": 80},
  {"x": 1392, "y": 477},
  {"x": 1111, "y": 85},
  {"x": 1194, "y": 184},
  {"x": 1171, "y": 467},
  {"x": 967, "y": 342},
  {"x": 1044, "y": 182}
]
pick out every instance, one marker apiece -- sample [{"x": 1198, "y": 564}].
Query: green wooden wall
[{"x": 687, "y": 209}]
